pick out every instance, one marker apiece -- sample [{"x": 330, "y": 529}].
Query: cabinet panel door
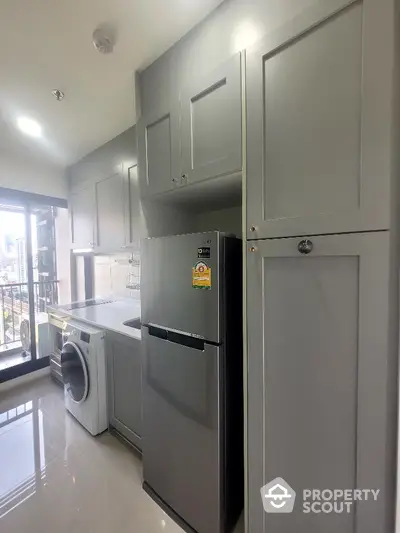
[
  {"x": 317, "y": 370},
  {"x": 212, "y": 124},
  {"x": 125, "y": 386},
  {"x": 317, "y": 142},
  {"x": 82, "y": 213},
  {"x": 136, "y": 221},
  {"x": 110, "y": 214},
  {"x": 159, "y": 150}
]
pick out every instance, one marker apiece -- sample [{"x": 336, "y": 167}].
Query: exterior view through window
[{"x": 28, "y": 280}]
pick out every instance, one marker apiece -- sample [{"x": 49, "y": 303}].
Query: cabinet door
[
  {"x": 136, "y": 221},
  {"x": 125, "y": 386},
  {"x": 318, "y": 149},
  {"x": 81, "y": 205},
  {"x": 317, "y": 369},
  {"x": 212, "y": 124},
  {"x": 110, "y": 214},
  {"x": 159, "y": 150}
]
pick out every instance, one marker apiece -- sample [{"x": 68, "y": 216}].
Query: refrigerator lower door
[
  {"x": 174, "y": 294},
  {"x": 181, "y": 450}
]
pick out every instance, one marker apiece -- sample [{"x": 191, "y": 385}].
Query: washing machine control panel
[{"x": 85, "y": 337}]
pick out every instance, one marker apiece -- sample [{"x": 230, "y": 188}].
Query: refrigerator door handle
[
  {"x": 177, "y": 338},
  {"x": 158, "y": 332}
]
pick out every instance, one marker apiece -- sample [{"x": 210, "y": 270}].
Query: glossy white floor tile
[{"x": 55, "y": 477}]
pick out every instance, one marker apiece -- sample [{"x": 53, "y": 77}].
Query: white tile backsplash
[{"x": 114, "y": 273}]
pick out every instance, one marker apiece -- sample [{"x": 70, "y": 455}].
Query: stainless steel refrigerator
[{"x": 191, "y": 295}]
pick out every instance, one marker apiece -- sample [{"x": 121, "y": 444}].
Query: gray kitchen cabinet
[
  {"x": 318, "y": 155},
  {"x": 136, "y": 228},
  {"x": 124, "y": 369},
  {"x": 102, "y": 181},
  {"x": 110, "y": 213},
  {"x": 159, "y": 149},
  {"x": 212, "y": 124},
  {"x": 318, "y": 403},
  {"x": 82, "y": 208},
  {"x": 196, "y": 134}
]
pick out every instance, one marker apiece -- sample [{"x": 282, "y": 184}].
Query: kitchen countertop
[{"x": 109, "y": 316}]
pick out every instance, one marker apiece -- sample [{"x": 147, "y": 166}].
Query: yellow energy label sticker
[{"x": 201, "y": 276}]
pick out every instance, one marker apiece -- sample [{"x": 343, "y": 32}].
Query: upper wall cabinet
[
  {"x": 212, "y": 124},
  {"x": 110, "y": 213},
  {"x": 135, "y": 222},
  {"x": 196, "y": 136},
  {"x": 318, "y": 127},
  {"x": 104, "y": 197},
  {"x": 100, "y": 214},
  {"x": 82, "y": 208},
  {"x": 159, "y": 149}
]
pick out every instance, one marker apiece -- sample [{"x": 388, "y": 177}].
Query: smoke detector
[{"x": 104, "y": 39}]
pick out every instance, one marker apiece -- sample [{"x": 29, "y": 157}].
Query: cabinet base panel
[{"x": 113, "y": 431}]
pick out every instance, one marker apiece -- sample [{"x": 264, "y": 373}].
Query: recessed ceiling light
[{"x": 29, "y": 126}]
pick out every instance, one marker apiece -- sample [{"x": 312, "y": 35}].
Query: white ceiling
[{"x": 47, "y": 44}]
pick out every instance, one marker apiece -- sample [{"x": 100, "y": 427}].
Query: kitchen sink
[{"x": 133, "y": 323}]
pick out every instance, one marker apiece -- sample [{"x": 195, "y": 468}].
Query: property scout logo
[{"x": 279, "y": 497}]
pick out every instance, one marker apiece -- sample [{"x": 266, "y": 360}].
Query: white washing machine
[{"x": 83, "y": 366}]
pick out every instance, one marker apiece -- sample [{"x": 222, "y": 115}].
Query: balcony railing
[{"x": 14, "y": 306}]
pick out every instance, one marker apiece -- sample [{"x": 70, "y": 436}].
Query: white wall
[
  {"x": 80, "y": 293},
  {"x": 63, "y": 256},
  {"x": 112, "y": 275},
  {"x": 27, "y": 175}
]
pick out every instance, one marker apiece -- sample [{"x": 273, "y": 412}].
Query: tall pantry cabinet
[{"x": 322, "y": 265}]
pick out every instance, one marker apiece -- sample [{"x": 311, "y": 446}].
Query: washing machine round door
[{"x": 74, "y": 371}]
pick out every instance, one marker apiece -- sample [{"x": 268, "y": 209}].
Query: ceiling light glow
[
  {"x": 245, "y": 35},
  {"x": 29, "y": 127}
]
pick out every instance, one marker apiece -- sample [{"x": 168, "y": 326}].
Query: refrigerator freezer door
[
  {"x": 180, "y": 283},
  {"x": 181, "y": 450}
]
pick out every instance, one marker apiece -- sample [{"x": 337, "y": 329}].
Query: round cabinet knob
[
  {"x": 252, "y": 249},
  {"x": 253, "y": 229},
  {"x": 305, "y": 246}
]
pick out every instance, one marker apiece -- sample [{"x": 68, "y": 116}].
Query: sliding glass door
[
  {"x": 14, "y": 288},
  {"x": 28, "y": 283}
]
